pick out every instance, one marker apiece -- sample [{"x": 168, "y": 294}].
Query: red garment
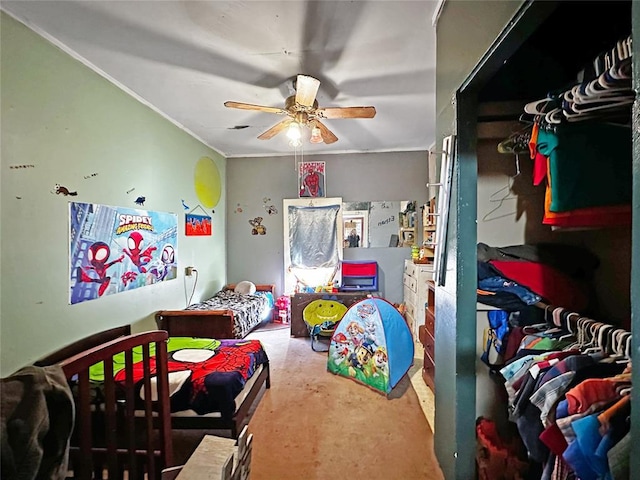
[
  {"x": 553, "y": 438},
  {"x": 539, "y": 160},
  {"x": 593, "y": 390},
  {"x": 553, "y": 285},
  {"x": 539, "y": 169}
]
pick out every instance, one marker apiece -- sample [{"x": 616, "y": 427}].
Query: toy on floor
[{"x": 372, "y": 345}]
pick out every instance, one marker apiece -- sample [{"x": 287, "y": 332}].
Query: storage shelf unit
[
  {"x": 407, "y": 230},
  {"x": 429, "y": 222},
  {"x": 427, "y": 337},
  {"x": 359, "y": 276},
  {"x": 415, "y": 278}
]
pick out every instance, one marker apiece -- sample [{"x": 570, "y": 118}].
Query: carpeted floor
[{"x": 312, "y": 424}]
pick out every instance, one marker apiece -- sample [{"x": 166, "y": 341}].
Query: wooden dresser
[
  {"x": 415, "y": 278},
  {"x": 428, "y": 337}
]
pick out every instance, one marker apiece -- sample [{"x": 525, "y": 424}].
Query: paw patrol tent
[{"x": 371, "y": 345}]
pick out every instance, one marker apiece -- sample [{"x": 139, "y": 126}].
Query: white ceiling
[{"x": 186, "y": 58}]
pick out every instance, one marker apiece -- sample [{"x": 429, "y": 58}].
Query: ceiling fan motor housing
[{"x": 293, "y": 107}]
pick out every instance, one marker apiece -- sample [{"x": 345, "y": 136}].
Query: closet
[
  {"x": 551, "y": 101},
  {"x": 546, "y": 49}
]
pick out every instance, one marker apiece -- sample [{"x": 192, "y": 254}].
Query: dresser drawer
[
  {"x": 430, "y": 322},
  {"x": 429, "y": 345},
  {"x": 410, "y": 268},
  {"x": 429, "y": 372},
  {"x": 410, "y": 309},
  {"x": 409, "y": 282},
  {"x": 410, "y": 323},
  {"x": 409, "y": 296},
  {"x": 422, "y": 334}
]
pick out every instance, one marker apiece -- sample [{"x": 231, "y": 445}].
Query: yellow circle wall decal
[{"x": 206, "y": 181}]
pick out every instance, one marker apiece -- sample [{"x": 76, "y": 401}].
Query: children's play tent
[{"x": 371, "y": 345}]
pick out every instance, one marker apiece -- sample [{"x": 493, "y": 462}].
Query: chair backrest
[
  {"x": 82, "y": 345},
  {"x": 107, "y": 431}
]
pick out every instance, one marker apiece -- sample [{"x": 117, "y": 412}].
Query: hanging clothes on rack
[
  {"x": 581, "y": 145},
  {"x": 568, "y": 389}
]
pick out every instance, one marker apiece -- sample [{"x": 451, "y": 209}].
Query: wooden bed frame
[
  {"x": 205, "y": 323},
  {"x": 109, "y": 436},
  {"x": 233, "y": 425}
]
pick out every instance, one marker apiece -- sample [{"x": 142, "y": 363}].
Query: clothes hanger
[
  {"x": 556, "y": 316},
  {"x": 527, "y": 118},
  {"x": 616, "y": 345},
  {"x": 570, "y": 332},
  {"x": 582, "y": 338},
  {"x": 602, "y": 335},
  {"x": 592, "y": 338},
  {"x": 546, "y": 313},
  {"x": 507, "y": 196},
  {"x": 554, "y": 327},
  {"x": 624, "y": 346},
  {"x": 554, "y": 117},
  {"x": 517, "y": 142}
]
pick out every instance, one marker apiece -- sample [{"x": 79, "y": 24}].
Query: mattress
[{"x": 248, "y": 310}]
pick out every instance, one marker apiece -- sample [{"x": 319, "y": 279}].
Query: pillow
[{"x": 246, "y": 287}]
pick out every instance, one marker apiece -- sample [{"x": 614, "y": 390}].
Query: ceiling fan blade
[
  {"x": 276, "y": 129},
  {"x": 327, "y": 135},
  {"x": 306, "y": 90},
  {"x": 249, "y": 106},
  {"x": 346, "y": 112}
]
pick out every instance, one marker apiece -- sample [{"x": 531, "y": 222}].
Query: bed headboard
[{"x": 260, "y": 287}]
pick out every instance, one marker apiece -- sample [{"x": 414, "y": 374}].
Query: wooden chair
[{"x": 107, "y": 433}]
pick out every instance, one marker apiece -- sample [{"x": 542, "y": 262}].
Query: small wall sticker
[
  {"x": 61, "y": 190},
  {"x": 258, "y": 228},
  {"x": 269, "y": 207}
]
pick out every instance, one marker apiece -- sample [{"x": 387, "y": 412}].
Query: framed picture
[
  {"x": 197, "y": 225},
  {"x": 311, "y": 179},
  {"x": 354, "y": 230}
]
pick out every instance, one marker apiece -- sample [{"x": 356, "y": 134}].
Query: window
[{"x": 313, "y": 241}]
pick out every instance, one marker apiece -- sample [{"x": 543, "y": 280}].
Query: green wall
[
  {"x": 465, "y": 32},
  {"x": 71, "y": 126}
]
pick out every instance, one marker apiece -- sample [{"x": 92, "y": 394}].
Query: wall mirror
[{"x": 371, "y": 224}]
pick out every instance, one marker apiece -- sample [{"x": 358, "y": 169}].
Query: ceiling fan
[{"x": 302, "y": 110}]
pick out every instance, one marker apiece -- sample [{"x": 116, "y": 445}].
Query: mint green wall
[{"x": 70, "y": 123}]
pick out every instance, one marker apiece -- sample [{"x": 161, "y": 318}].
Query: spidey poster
[
  {"x": 114, "y": 249},
  {"x": 312, "y": 179}
]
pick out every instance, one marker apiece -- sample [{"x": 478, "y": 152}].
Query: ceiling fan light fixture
[
  {"x": 316, "y": 135},
  {"x": 294, "y": 133},
  {"x": 302, "y": 110}
]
